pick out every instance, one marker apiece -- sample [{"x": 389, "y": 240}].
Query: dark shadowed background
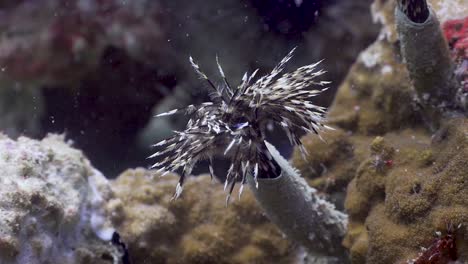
[{"x": 99, "y": 70}]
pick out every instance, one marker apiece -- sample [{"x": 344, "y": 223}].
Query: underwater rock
[
  {"x": 336, "y": 154},
  {"x": 408, "y": 191},
  {"x": 399, "y": 209},
  {"x": 52, "y": 205},
  {"x": 380, "y": 76},
  {"x": 197, "y": 227}
]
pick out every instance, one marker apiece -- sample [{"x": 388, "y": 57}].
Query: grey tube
[
  {"x": 300, "y": 213},
  {"x": 427, "y": 58}
]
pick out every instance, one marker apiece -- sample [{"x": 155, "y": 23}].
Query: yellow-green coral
[
  {"x": 197, "y": 228},
  {"x": 406, "y": 182},
  {"x": 334, "y": 153},
  {"x": 379, "y": 95}
]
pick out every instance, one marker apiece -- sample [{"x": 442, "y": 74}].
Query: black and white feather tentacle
[{"x": 233, "y": 124}]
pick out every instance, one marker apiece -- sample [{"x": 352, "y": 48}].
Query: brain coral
[{"x": 51, "y": 205}]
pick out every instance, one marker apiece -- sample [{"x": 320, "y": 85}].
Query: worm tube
[
  {"x": 300, "y": 213},
  {"x": 426, "y": 53}
]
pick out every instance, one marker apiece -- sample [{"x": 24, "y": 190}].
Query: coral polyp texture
[
  {"x": 405, "y": 185},
  {"x": 52, "y": 205},
  {"x": 234, "y": 122},
  {"x": 196, "y": 229}
]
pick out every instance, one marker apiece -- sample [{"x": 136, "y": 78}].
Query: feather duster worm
[{"x": 233, "y": 123}]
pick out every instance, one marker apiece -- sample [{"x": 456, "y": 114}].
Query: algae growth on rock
[
  {"x": 403, "y": 185},
  {"x": 198, "y": 228},
  {"x": 406, "y": 182},
  {"x": 52, "y": 204},
  {"x": 400, "y": 182}
]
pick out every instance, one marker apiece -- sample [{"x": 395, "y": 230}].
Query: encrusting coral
[
  {"x": 52, "y": 205},
  {"x": 197, "y": 228},
  {"x": 403, "y": 186},
  {"x": 408, "y": 191}
]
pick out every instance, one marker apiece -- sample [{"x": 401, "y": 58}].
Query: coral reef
[
  {"x": 404, "y": 205},
  {"x": 52, "y": 204},
  {"x": 403, "y": 185},
  {"x": 234, "y": 122},
  {"x": 407, "y": 184},
  {"x": 331, "y": 163},
  {"x": 197, "y": 228}
]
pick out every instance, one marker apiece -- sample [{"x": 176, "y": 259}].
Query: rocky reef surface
[
  {"x": 196, "y": 228},
  {"x": 52, "y": 205},
  {"x": 403, "y": 185},
  {"x": 402, "y": 181}
]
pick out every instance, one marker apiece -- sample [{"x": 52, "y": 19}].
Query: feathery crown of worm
[{"x": 233, "y": 124}]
